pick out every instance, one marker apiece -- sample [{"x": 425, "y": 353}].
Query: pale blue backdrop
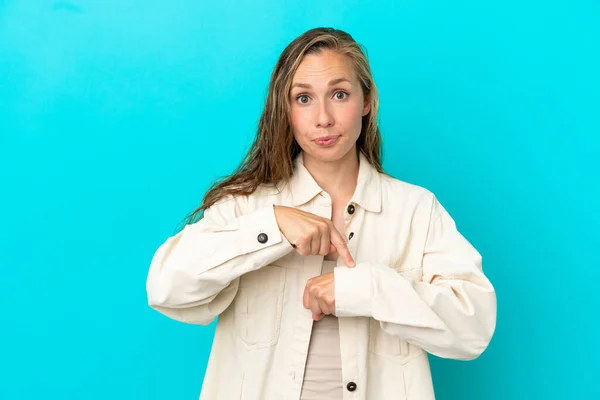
[{"x": 116, "y": 115}]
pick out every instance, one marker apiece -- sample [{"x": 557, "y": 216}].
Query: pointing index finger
[{"x": 340, "y": 245}]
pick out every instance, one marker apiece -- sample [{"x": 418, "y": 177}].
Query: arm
[
  {"x": 194, "y": 275},
  {"x": 451, "y": 313}
]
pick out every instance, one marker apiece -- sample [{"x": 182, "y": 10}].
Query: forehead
[{"x": 321, "y": 67}]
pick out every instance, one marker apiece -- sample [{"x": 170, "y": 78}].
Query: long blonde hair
[{"x": 270, "y": 157}]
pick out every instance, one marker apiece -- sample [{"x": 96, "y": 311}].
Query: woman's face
[{"x": 326, "y": 106}]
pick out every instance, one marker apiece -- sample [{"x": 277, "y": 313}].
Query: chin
[{"x": 333, "y": 153}]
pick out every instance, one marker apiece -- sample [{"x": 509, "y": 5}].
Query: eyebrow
[{"x": 331, "y": 83}]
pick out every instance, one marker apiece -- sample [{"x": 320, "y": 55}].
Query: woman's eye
[
  {"x": 302, "y": 99},
  {"x": 341, "y": 95}
]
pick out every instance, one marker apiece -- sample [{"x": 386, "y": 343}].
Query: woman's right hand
[{"x": 310, "y": 234}]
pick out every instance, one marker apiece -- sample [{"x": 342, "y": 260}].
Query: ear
[{"x": 367, "y": 106}]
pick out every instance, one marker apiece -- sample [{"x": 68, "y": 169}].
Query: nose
[{"x": 324, "y": 116}]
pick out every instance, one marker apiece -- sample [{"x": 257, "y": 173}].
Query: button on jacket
[{"x": 417, "y": 288}]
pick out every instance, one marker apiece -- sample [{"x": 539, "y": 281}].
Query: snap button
[
  {"x": 262, "y": 238},
  {"x": 351, "y": 235},
  {"x": 351, "y": 386},
  {"x": 351, "y": 209}
]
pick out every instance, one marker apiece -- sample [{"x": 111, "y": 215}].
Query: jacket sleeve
[
  {"x": 450, "y": 314},
  {"x": 194, "y": 275}
]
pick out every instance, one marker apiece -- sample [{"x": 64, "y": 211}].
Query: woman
[{"x": 331, "y": 279}]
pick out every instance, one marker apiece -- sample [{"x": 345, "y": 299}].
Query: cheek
[
  {"x": 352, "y": 115},
  {"x": 299, "y": 123}
]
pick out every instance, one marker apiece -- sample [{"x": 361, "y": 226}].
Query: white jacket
[{"x": 418, "y": 287}]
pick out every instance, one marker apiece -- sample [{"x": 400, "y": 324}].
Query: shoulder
[
  {"x": 410, "y": 197},
  {"x": 232, "y": 206},
  {"x": 394, "y": 188}
]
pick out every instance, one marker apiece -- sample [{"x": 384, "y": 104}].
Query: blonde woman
[{"x": 330, "y": 278}]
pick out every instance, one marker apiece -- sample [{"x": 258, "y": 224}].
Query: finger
[
  {"x": 315, "y": 243},
  {"x": 306, "y": 298},
  {"x": 314, "y": 306},
  {"x": 340, "y": 245},
  {"x": 302, "y": 247},
  {"x": 325, "y": 242},
  {"x": 318, "y": 317},
  {"x": 325, "y": 309},
  {"x": 332, "y": 248}
]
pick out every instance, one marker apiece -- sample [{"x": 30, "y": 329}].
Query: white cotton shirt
[{"x": 418, "y": 287}]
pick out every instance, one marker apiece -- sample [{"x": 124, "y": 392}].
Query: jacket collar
[{"x": 367, "y": 193}]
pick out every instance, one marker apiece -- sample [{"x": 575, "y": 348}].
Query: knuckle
[
  {"x": 314, "y": 291},
  {"x": 340, "y": 242}
]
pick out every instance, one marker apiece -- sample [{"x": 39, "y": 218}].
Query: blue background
[{"x": 116, "y": 115}]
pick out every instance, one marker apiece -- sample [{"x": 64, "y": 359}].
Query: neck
[{"x": 338, "y": 178}]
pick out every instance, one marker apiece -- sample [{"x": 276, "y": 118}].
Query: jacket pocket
[
  {"x": 386, "y": 345},
  {"x": 258, "y": 307},
  {"x": 392, "y": 347}
]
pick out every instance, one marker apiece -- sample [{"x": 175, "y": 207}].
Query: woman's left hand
[{"x": 319, "y": 296}]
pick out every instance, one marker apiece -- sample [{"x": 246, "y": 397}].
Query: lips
[{"x": 326, "y": 140}]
